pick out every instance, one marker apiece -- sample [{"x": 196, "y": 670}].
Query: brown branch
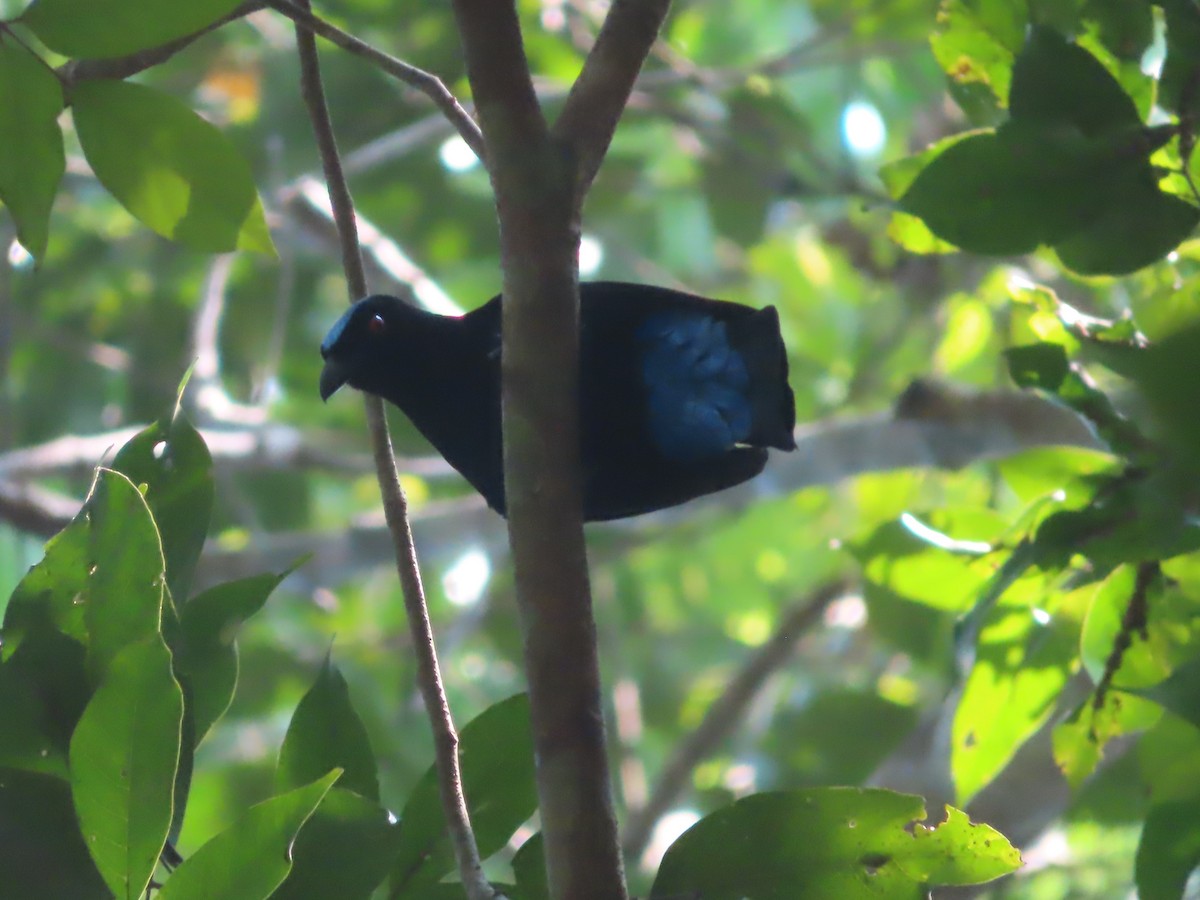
[
  {"x": 425, "y": 82},
  {"x": 430, "y": 85},
  {"x": 394, "y": 503},
  {"x": 35, "y": 510},
  {"x": 599, "y": 95},
  {"x": 726, "y": 713},
  {"x": 534, "y": 184}
]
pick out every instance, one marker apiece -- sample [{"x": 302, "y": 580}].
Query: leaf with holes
[{"x": 829, "y": 842}]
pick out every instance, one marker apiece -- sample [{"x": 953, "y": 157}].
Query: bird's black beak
[{"x": 333, "y": 376}]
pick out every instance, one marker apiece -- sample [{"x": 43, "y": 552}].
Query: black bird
[{"x": 679, "y": 395}]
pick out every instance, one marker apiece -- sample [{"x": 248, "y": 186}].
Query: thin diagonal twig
[
  {"x": 394, "y": 503},
  {"x": 425, "y": 82}
]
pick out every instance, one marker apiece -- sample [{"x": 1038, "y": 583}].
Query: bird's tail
[{"x": 773, "y": 407}]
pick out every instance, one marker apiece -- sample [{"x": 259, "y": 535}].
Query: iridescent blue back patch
[{"x": 696, "y": 385}]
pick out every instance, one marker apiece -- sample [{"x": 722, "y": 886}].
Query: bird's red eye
[{"x": 376, "y": 324}]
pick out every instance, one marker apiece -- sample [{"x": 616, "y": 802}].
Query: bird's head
[{"x": 358, "y": 342}]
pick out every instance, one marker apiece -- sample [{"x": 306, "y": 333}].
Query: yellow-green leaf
[{"x": 173, "y": 170}]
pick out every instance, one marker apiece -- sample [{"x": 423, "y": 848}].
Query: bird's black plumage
[{"x": 679, "y": 395}]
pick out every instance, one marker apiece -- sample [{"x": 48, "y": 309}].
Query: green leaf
[
  {"x": 914, "y": 235},
  {"x": 345, "y": 850},
  {"x": 1009, "y": 191},
  {"x": 900, "y": 557},
  {"x": 1179, "y": 692},
  {"x": 32, "y": 161},
  {"x": 529, "y": 870},
  {"x": 1159, "y": 371},
  {"x": 124, "y": 595},
  {"x": 123, "y": 758},
  {"x": 206, "y": 657},
  {"x": 105, "y": 28},
  {"x": 1138, "y": 227},
  {"x": 1143, "y": 514},
  {"x": 496, "y": 753},
  {"x": 47, "y": 599},
  {"x": 43, "y": 690},
  {"x": 1169, "y": 849},
  {"x": 169, "y": 167},
  {"x": 1126, "y": 29},
  {"x": 172, "y": 460},
  {"x": 1057, "y": 82},
  {"x": 1169, "y": 757},
  {"x": 1020, "y": 667},
  {"x": 1061, "y": 474},
  {"x": 829, "y": 842},
  {"x": 975, "y": 42},
  {"x": 42, "y": 853},
  {"x": 1177, "y": 91},
  {"x": 251, "y": 858},
  {"x": 1044, "y": 365},
  {"x": 326, "y": 732},
  {"x": 1104, "y": 623}
]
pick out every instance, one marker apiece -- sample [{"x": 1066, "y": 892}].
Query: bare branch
[
  {"x": 35, "y": 510},
  {"x": 394, "y": 503},
  {"x": 602, "y": 89},
  {"x": 425, "y": 82},
  {"x": 272, "y": 446},
  {"x": 533, "y": 180}
]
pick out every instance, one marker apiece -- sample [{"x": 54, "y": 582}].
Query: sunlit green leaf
[
  {"x": 1035, "y": 474},
  {"x": 976, "y": 42},
  {"x": 908, "y": 564},
  {"x": 124, "y": 595},
  {"x": 47, "y": 599},
  {"x": 171, "y": 459},
  {"x": 1020, "y": 667},
  {"x": 172, "y": 169},
  {"x": 829, "y": 842},
  {"x": 251, "y": 858},
  {"x": 123, "y": 758}
]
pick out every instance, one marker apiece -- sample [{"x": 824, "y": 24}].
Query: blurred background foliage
[{"x": 746, "y": 168}]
